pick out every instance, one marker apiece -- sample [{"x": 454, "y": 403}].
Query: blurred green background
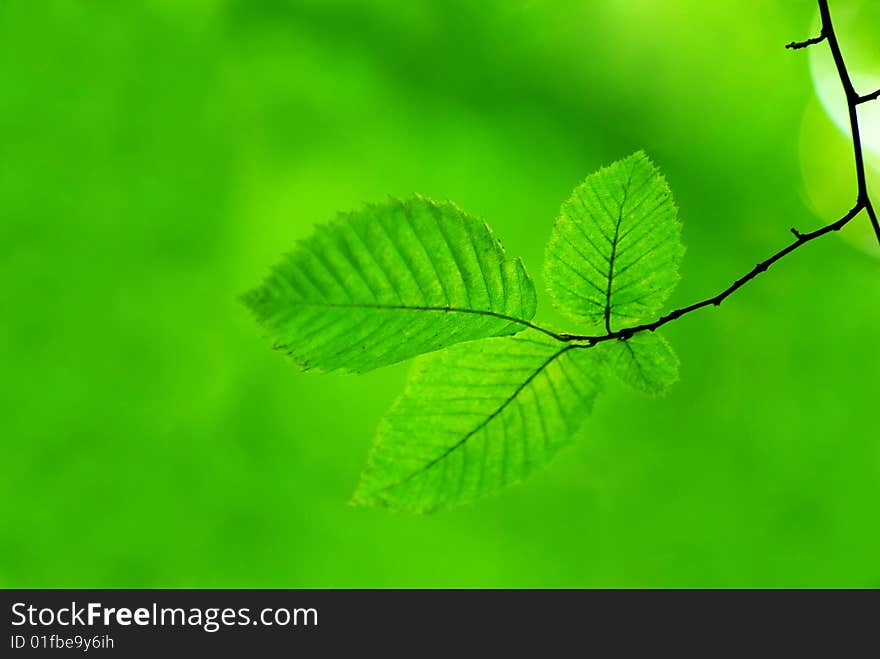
[{"x": 157, "y": 156}]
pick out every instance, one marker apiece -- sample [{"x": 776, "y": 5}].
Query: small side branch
[
  {"x": 868, "y": 97},
  {"x": 797, "y": 45}
]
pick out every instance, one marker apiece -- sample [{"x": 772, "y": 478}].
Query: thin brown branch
[
  {"x": 868, "y": 97},
  {"x": 800, "y": 240},
  {"x": 797, "y": 45},
  {"x": 863, "y": 200}
]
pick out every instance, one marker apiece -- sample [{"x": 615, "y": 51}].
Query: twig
[
  {"x": 797, "y": 45},
  {"x": 863, "y": 200},
  {"x": 763, "y": 266},
  {"x": 869, "y": 97}
]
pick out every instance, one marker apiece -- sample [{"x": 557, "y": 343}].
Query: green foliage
[
  {"x": 645, "y": 362},
  {"x": 614, "y": 253},
  {"x": 477, "y": 417},
  {"x": 160, "y": 155},
  {"x": 403, "y": 278},
  {"x": 389, "y": 282}
]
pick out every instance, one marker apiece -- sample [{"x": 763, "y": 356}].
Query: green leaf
[
  {"x": 615, "y": 249},
  {"x": 645, "y": 362},
  {"x": 391, "y": 281},
  {"x": 477, "y": 417}
]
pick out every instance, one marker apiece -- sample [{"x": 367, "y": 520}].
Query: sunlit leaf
[
  {"x": 477, "y": 417},
  {"x": 391, "y": 281},
  {"x": 645, "y": 362},
  {"x": 614, "y": 253}
]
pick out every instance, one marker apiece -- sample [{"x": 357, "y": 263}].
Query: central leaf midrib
[
  {"x": 463, "y": 440},
  {"x": 611, "y": 259},
  {"x": 407, "y": 307}
]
